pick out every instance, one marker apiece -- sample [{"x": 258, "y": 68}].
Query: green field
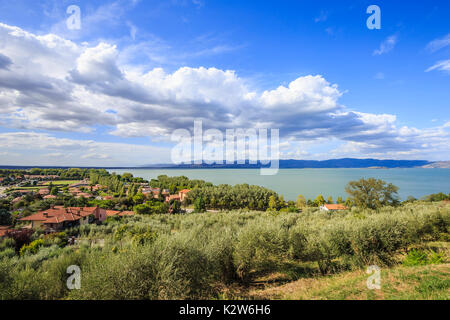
[{"x": 62, "y": 182}]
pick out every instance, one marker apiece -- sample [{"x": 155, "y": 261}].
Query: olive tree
[{"x": 372, "y": 193}]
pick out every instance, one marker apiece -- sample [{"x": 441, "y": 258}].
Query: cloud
[
  {"x": 438, "y": 44},
  {"x": 379, "y": 76},
  {"x": 441, "y": 65},
  {"x": 5, "y": 62},
  {"x": 44, "y": 149},
  {"x": 386, "y": 46},
  {"x": 322, "y": 17},
  {"x": 73, "y": 87}
]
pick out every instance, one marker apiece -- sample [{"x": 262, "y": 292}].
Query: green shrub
[
  {"x": 417, "y": 257},
  {"x": 32, "y": 248},
  {"x": 259, "y": 247},
  {"x": 7, "y": 253}
]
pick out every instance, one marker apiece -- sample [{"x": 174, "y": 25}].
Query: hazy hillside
[{"x": 439, "y": 164}]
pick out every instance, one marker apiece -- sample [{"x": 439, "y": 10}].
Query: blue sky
[{"x": 112, "y": 92}]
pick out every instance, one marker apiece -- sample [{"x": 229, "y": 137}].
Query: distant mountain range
[
  {"x": 303, "y": 164},
  {"x": 284, "y": 164}
]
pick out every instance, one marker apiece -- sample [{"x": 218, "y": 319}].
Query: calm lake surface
[{"x": 416, "y": 182}]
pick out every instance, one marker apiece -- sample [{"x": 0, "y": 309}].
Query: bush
[
  {"x": 32, "y": 248},
  {"x": 260, "y": 247},
  {"x": 417, "y": 257}
]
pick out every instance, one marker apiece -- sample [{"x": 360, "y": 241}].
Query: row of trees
[
  {"x": 72, "y": 173},
  {"x": 320, "y": 201},
  {"x": 175, "y": 184},
  {"x": 226, "y": 197},
  {"x": 370, "y": 193}
]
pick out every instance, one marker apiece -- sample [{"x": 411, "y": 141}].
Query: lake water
[{"x": 290, "y": 183}]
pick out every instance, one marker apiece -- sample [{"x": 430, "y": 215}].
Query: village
[
  {"x": 57, "y": 195},
  {"x": 66, "y": 203}
]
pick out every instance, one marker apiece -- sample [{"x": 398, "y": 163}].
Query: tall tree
[
  {"x": 372, "y": 193},
  {"x": 320, "y": 200},
  {"x": 199, "y": 205},
  {"x": 272, "y": 203},
  {"x": 301, "y": 202},
  {"x": 5, "y": 218}
]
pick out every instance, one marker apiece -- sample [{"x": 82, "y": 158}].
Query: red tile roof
[
  {"x": 84, "y": 195},
  {"x": 44, "y": 191},
  {"x": 111, "y": 213},
  {"x": 126, "y": 213},
  {"x": 58, "y": 215},
  {"x": 335, "y": 207}
]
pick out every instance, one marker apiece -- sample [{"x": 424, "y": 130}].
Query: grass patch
[
  {"x": 62, "y": 182},
  {"x": 430, "y": 282}
]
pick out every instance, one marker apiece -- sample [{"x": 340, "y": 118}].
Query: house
[
  {"x": 97, "y": 187},
  {"x": 58, "y": 218},
  {"x": 44, "y": 191},
  {"x": 156, "y": 190},
  {"x": 84, "y": 195},
  {"x": 108, "y": 198},
  {"x": 74, "y": 191},
  {"x": 147, "y": 190},
  {"x": 49, "y": 197},
  {"x": 172, "y": 197},
  {"x": 333, "y": 207},
  {"x": 182, "y": 194}
]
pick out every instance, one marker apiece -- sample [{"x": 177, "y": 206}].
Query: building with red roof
[
  {"x": 333, "y": 207},
  {"x": 58, "y": 218},
  {"x": 183, "y": 193},
  {"x": 44, "y": 191}
]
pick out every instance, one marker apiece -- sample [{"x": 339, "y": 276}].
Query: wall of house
[
  {"x": 84, "y": 221},
  {"x": 100, "y": 214},
  {"x": 36, "y": 224}
]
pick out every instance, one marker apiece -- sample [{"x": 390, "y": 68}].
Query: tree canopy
[{"x": 372, "y": 193}]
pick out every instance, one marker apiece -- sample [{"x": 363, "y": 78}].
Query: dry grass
[{"x": 401, "y": 283}]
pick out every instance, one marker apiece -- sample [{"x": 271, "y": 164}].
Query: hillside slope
[{"x": 430, "y": 282}]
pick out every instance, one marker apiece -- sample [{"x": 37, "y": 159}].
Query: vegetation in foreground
[
  {"x": 425, "y": 282},
  {"x": 226, "y": 255}
]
